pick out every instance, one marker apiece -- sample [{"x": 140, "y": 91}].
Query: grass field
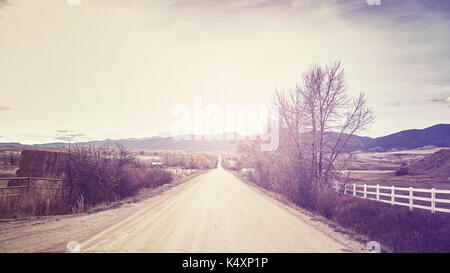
[{"x": 391, "y": 161}]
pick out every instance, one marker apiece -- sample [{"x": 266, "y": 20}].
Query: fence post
[
  {"x": 433, "y": 202},
  {"x": 28, "y": 185},
  {"x": 354, "y": 189},
  {"x": 392, "y": 195},
  {"x": 365, "y": 190},
  {"x": 411, "y": 198},
  {"x": 378, "y": 192}
]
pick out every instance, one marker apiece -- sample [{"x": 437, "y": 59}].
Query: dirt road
[{"x": 215, "y": 212}]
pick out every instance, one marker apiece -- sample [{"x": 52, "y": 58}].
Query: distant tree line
[
  {"x": 187, "y": 160},
  {"x": 10, "y": 158}
]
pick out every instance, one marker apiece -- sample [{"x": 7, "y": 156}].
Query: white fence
[{"x": 428, "y": 199}]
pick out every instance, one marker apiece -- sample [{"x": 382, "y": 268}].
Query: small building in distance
[{"x": 156, "y": 162}]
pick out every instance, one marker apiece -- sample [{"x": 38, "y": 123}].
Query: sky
[{"x": 117, "y": 69}]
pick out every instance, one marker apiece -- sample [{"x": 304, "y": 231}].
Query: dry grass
[
  {"x": 397, "y": 228},
  {"x": 33, "y": 201},
  {"x": 48, "y": 198}
]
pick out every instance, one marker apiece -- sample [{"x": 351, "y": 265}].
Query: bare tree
[
  {"x": 320, "y": 118},
  {"x": 318, "y": 125}
]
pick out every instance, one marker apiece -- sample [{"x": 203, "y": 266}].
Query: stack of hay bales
[{"x": 35, "y": 163}]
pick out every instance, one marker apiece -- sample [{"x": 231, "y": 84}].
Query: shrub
[
  {"x": 157, "y": 177},
  {"x": 141, "y": 177},
  {"x": 325, "y": 201},
  {"x": 401, "y": 171},
  {"x": 104, "y": 175}
]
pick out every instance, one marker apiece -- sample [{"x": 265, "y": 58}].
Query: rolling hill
[
  {"x": 437, "y": 164},
  {"x": 436, "y": 135}
]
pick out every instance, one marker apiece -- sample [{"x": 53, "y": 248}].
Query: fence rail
[
  {"x": 29, "y": 183},
  {"x": 428, "y": 199}
]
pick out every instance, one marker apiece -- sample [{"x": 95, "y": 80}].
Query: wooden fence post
[
  {"x": 354, "y": 189},
  {"x": 433, "y": 201},
  {"x": 365, "y": 190},
  {"x": 28, "y": 186},
  {"x": 411, "y": 198},
  {"x": 392, "y": 195},
  {"x": 378, "y": 192}
]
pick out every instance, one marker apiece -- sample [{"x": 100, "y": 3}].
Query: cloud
[
  {"x": 4, "y": 108},
  {"x": 68, "y": 136},
  {"x": 442, "y": 101}
]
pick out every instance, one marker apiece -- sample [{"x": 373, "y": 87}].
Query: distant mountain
[
  {"x": 206, "y": 143},
  {"x": 437, "y": 135},
  {"x": 169, "y": 143},
  {"x": 7, "y": 144}
]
